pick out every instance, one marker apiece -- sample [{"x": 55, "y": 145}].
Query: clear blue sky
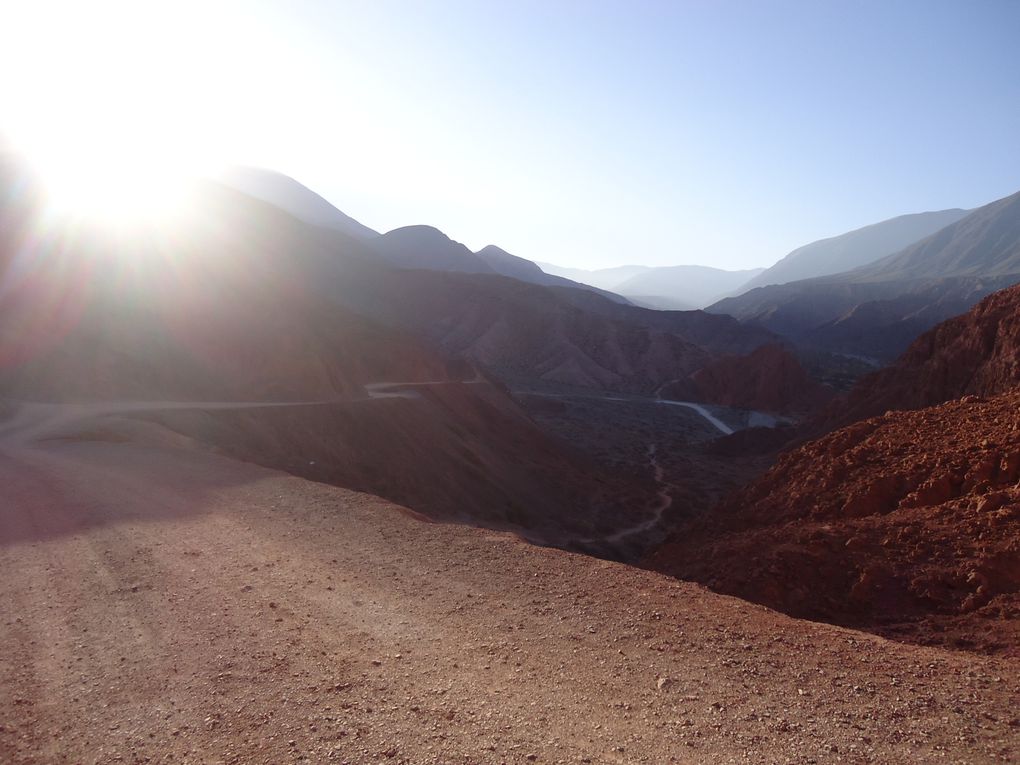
[{"x": 597, "y": 133}]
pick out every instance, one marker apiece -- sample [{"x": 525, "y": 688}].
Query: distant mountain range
[
  {"x": 871, "y": 291},
  {"x": 668, "y": 288},
  {"x": 854, "y": 248},
  {"x": 878, "y": 309},
  {"x": 418, "y": 247}
]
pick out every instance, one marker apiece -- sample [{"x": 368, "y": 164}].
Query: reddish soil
[
  {"x": 907, "y": 524},
  {"x": 160, "y": 603}
]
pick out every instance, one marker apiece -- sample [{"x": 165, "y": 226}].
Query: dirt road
[{"x": 159, "y": 603}]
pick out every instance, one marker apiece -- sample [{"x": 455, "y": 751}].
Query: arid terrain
[
  {"x": 287, "y": 490},
  {"x": 165, "y": 604}
]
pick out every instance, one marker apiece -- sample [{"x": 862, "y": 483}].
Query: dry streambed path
[{"x": 163, "y": 604}]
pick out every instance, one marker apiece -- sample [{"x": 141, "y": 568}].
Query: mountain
[
  {"x": 976, "y": 354},
  {"x": 984, "y": 243},
  {"x": 287, "y": 194},
  {"x": 236, "y": 306},
  {"x": 695, "y": 286},
  {"x": 519, "y": 331},
  {"x": 668, "y": 288},
  {"x": 877, "y": 310},
  {"x": 854, "y": 248},
  {"x": 502, "y": 262},
  {"x": 603, "y": 278},
  {"x": 426, "y": 247},
  {"x": 905, "y": 524},
  {"x": 421, "y": 247}
]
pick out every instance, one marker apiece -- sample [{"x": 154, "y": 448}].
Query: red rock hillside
[
  {"x": 976, "y": 353},
  {"x": 907, "y": 525}
]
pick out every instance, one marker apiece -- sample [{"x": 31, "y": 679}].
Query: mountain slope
[
  {"x": 289, "y": 195},
  {"x": 502, "y": 262},
  {"x": 984, "y": 243},
  {"x": 906, "y": 523},
  {"x": 977, "y": 353},
  {"x": 426, "y": 247},
  {"x": 95, "y": 318},
  {"x": 879, "y": 309},
  {"x": 521, "y": 331},
  {"x": 854, "y": 248}
]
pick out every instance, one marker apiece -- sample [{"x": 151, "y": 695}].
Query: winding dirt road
[{"x": 164, "y": 604}]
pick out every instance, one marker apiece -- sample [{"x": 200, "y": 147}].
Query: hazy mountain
[
  {"x": 300, "y": 201},
  {"x": 603, "y": 278},
  {"x": 696, "y": 286},
  {"x": 879, "y": 309},
  {"x": 421, "y": 247},
  {"x": 666, "y": 288},
  {"x": 425, "y": 247},
  {"x": 984, "y": 243},
  {"x": 502, "y": 262},
  {"x": 855, "y": 248}
]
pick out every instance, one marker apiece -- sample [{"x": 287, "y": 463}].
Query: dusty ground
[{"x": 163, "y": 604}]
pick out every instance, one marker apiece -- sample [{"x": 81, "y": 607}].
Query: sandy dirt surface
[{"x": 164, "y": 604}]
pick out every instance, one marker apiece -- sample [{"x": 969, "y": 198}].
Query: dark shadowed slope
[
  {"x": 238, "y": 302},
  {"x": 768, "y": 379},
  {"x": 524, "y": 331}
]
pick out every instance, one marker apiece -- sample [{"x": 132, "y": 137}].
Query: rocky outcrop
[
  {"x": 977, "y": 353},
  {"x": 906, "y": 524}
]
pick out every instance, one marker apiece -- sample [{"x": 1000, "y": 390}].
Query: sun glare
[
  {"x": 110, "y": 183},
  {"x": 110, "y": 105}
]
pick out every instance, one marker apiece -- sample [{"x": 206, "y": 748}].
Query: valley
[{"x": 281, "y": 488}]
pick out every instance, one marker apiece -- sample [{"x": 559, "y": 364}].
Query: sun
[
  {"x": 110, "y": 178},
  {"x": 109, "y": 105}
]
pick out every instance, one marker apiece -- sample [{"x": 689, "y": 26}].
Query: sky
[{"x": 584, "y": 133}]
